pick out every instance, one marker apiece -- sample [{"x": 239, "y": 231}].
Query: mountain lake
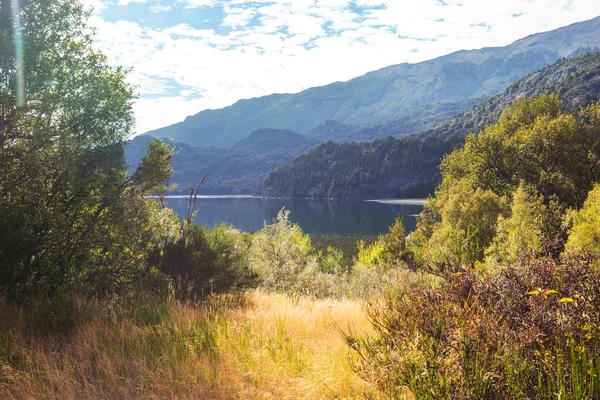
[{"x": 327, "y": 217}]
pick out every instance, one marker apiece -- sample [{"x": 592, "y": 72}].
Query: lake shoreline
[
  {"x": 354, "y": 217},
  {"x": 398, "y": 201}
]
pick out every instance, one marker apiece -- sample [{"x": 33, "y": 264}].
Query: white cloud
[
  {"x": 97, "y": 5},
  {"x": 126, "y": 2},
  {"x": 197, "y": 3},
  {"x": 158, "y": 8},
  {"x": 238, "y": 16},
  {"x": 277, "y": 46}
]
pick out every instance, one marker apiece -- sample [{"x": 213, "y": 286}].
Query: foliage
[
  {"x": 465, "y": 226},
  {"x": 371, "y": 255},
  {"x": 530, "y": 232},
  {"x": 528, "y": 332},
  {"x": 387, "y": 251},
  {"x": 394, "y": 243},
  {"x": 555, "y": 153},
  {"x": 383, "y": 168},
  {"x": 584, "y": 235},
  {"x": 332, "y": 261},
  {"x": 281, "y": 253},
  {"x": 552, "y": 154},
  {"x": 201, "y": 261},
  {"x": 72, "y": 221}
]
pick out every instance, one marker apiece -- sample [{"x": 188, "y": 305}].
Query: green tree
[
  {"x": 395, "y": 243},
  {"x": 69, "y": 214},
  {"x": 584, "y": 235},
  {"x": 534, "y": 142},
  {"x": 467, "y": 224},
  {"x": 555, "y": 155},
  {"x": 528, "y": 233}
]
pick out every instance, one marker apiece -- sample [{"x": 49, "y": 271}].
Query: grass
[{"x": 250, "y": 346}]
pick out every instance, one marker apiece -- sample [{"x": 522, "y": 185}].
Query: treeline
[
  {"x": 408, "y": 166},
  {"x": 383, "y": 168}
]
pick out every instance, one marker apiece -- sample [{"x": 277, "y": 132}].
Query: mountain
[
  {"x": 389, "y": 93},
  {"x": 238, "y": 170},
  {"x": 408, "y": 166},
  {"x": 423, "y": 118},
  {"x": 264, "y": 141}
]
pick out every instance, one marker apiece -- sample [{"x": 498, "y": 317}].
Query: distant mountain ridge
[
  {"x": 390, "y": 93},
  {"x": 423, "y": 118},
  {"x": 408, "y": 166},
  {"x": 266, "y": 140},
  {"x": 238, "y": 170}
]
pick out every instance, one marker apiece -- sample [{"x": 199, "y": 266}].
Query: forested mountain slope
[
  {"x": 390, "y": 93},
  {"x": 239, "y": 170},
  {"x": 408, "y": 166}
]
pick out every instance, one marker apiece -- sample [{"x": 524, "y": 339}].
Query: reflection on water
[{"x": 347, "y": 217}]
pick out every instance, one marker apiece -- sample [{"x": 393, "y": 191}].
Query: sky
[{"x": 191, "y": 55}]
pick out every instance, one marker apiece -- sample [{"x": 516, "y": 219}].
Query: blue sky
[{"x": 192, "y": 55}]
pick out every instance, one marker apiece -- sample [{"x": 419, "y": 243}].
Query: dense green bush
[
  {"x": 285, "y": 260},
  {"x": 281, "y": 254},
  {"x": 201, "y": 261},
  {"x": 532, "y": 231},
  {"x": 466, "y": 224},
  {"x": 512, "y": 318}
]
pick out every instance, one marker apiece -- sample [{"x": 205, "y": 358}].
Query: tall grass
[{"x": 251, "y": 345}]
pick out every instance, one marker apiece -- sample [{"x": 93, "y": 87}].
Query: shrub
[
  {"x": 394, "y": 243},
  {"x": 528, "y": 332},
  {"x": 388, "y": 251},
  {"x": 201, "y": 261},
  {"x": 371, "y": 255},
  {"x": 280, "y": 253}
]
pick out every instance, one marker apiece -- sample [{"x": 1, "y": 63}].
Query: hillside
[
  {"x": 239, "y": 170},
  {"x": 390, "y": 93},
  {"x": 264, "y": 141},
  {"x": 423, "y": 118},
  {"x": 408, "y": 166}
]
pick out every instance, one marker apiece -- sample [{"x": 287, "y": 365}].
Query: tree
[
  {"x": 584, "y": 235},
  {"x": 528, "y": 233},
  {"x": 69, "y": 215},
  {"x": 466, "y": 224},
  {"x": 395, "y": 243},
  {"x": 555, "y": 153},
  {"x": 281, "y": 253}
]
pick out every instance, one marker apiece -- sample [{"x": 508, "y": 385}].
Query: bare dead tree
[{"x": 192, "y": 203}]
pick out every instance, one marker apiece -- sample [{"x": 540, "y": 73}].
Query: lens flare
[{"x": 18, "y": 37}]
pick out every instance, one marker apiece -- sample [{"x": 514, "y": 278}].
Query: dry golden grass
[{"x": 272, "y": 347}]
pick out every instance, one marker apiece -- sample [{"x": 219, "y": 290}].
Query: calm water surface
[{"x": 342, "y": 217}]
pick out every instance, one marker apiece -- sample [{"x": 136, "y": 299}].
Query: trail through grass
[{"x": 250, "y": 346}]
